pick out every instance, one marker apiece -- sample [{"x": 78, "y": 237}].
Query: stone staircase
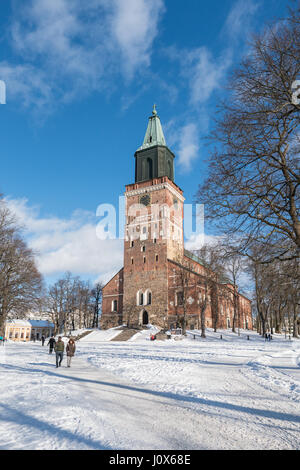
[{"x": 125, "y": 334}]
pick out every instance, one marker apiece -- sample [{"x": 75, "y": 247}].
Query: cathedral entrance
[{"x": 145, "y": 318}]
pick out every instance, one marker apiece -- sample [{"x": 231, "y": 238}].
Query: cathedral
[{"x": 161, "y": 282}]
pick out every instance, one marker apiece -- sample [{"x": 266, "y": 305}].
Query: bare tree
[
  {"x": 277, "y": 287},
  {"x": 183, "y": 281},
  {"x": 254, "y": 180},
  {"x": 96, "y": 294},
  {"x": 234, "y": 265},
  {"x": 71, "y": 304},
  {"x": 203, "y": 286},
  {"x": 215, "y": 276},
  {"x": 20, "y": 281}
]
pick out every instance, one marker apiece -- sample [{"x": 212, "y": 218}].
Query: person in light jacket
[{"x": 71, "y": 348}]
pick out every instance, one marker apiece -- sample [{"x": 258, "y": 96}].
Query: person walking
[
  {"x": 71, "y": 348},
  {"x": 59, "y": 349},
  {"x": 51, "y": 344},
  {"x": 43, "y": 340}
]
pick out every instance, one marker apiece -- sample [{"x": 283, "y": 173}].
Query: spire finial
[{"x": 154, "y": 134}]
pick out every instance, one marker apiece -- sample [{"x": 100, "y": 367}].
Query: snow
[
  {"x": 101, "y": 335},
  {"x": 32, "y": 323},
  {"x": 210, "y": 393}
]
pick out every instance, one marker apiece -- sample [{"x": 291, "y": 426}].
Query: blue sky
[{"x": 81, "y": 79}]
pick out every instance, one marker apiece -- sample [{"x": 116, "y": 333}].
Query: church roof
[
  {"x": 32, "y": 323},
  {"x": 154, "y": 134}
]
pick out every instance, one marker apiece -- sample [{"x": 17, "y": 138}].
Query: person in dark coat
[
  {"x": 71, "y": 348},
  {"x": 59, "y": 349},
  {"x": 51, "y": 344},
  {"x": 43, "y": 340}
]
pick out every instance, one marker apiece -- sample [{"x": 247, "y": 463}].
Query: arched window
[
  {"x": 143, "y": 170},
  {"x": 150, "y": 168},
  {"x": 148, "y": 297},
  {"x": 169, "y": 170},
  {"x": 140, "y": 298}
]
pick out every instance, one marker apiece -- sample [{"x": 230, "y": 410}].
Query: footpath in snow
[{"x": 190, "y": 394}]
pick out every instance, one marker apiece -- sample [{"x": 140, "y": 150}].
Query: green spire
[{"x": 154, "y": 134}]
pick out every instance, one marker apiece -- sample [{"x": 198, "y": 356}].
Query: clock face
[{"x": 145, "y": 200}]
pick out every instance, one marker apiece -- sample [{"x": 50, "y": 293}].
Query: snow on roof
[{"x": 32, "y": 323}]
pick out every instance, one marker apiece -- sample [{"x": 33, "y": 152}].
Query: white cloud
[
  {"x": 68, "y": 244},
  {"x": 67, "y": 49},
  {"x": 239, "y": 18},
  {"x": 134, "y": 27},
  {"x": 205, "y": 73},
  {"x": 188, "y": 146},
  {"x": 198, "y": 240},
  {"x": 26, "y": 84}
]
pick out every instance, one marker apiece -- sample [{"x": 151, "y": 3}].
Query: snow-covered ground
[{"x": 232, "y": 393}]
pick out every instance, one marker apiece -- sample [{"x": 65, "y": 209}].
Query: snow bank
[{"x": 183, "y": 366}]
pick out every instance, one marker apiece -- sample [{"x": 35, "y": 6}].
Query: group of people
[
  {"x": 268, "y": 337},
  {"x": 59, "y": 348}
]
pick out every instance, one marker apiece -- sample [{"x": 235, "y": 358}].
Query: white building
[{"x": 27, "y": 330}]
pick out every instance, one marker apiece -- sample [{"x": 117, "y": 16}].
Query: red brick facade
[
  {"x": 148, "y": 288},
  {"x": 112, "y": 301}
]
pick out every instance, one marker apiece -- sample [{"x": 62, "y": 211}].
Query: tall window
[
  {"x": 114, "y": 305},
  {"x": 179, "y": 298},
  {"x": 169, "y": 169},
  {"x": 150, "y": 168},
  {"x": 140, "y": 298},
  {"x": 148, "y": 297}
]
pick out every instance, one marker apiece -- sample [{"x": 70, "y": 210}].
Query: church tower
[
  {"x": 153, "y": 229},
  {"x": 148, "y": 289}
]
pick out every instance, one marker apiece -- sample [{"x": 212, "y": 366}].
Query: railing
[{"x": 176, "y": 331}]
